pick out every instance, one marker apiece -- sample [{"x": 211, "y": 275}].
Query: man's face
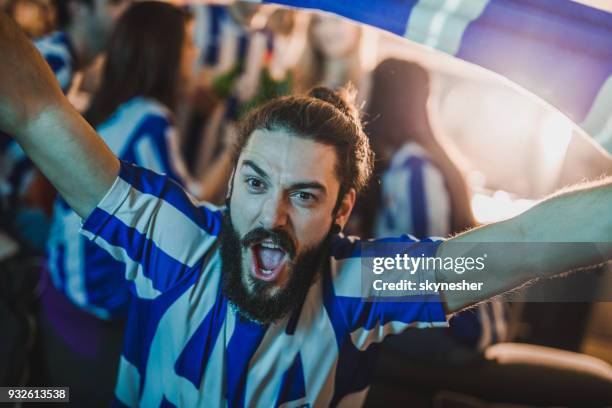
[{"x": 284, "y": 192}]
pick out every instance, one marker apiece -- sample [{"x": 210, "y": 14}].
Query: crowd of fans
[{"x": 165, "y": 86}]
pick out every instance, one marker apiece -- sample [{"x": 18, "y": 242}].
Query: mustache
[{"x": 279, "y": 237}]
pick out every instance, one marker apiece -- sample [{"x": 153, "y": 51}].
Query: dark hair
[
  {"x": 142, "y": 60},
  {"x": 323, "y": 116},
  {"x": 397, "y": 103}
]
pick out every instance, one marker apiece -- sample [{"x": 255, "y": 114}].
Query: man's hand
[{"x": 59, "y": 141}]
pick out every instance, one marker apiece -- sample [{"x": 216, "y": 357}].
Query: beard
[{"x": 256, "y": 302}]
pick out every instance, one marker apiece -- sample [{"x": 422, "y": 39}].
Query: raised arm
[
  {"x": 59, "y": 141},
  {"x": 582, "y": 215}
]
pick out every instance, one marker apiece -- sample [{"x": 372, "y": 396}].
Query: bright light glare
[
  {"x": 556, "y": 132},
  {"x": 497, "y": 207}
]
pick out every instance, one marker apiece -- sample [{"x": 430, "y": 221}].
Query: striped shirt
[
  {"x": 225, "y": 42},
  {"x": 58, "y": 52},
  {"x": 140, "y": 131},
  {"x": 226, "y": 45},
  {"x": 416, "y": 201},
  {"x": 185, "y": 346},
  {"x": 16, "y": 169},
  {"x": 214, "y": 28}
]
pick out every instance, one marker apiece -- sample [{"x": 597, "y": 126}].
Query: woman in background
[
  {"x": 423, "y": 193},
  {"x": 148, "y": 66},
  {"x": 333, "y": 56},
  {"x": 434, "y": 199}
]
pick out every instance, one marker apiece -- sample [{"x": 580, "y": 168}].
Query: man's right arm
[{"x": 59, "y": 141}]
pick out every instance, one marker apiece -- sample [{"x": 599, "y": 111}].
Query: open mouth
[{"x": 268, "y": 261}]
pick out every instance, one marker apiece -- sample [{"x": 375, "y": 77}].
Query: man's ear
[{"x": 345, "y": 208}]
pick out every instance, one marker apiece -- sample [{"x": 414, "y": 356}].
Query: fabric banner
[{"x": 558, "y": 49}]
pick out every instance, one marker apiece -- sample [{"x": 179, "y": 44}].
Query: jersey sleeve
[
  {"x": 148, "y": 222},
  {"x": 370, "y": 319},
  {"x": 55, "y": 51}
]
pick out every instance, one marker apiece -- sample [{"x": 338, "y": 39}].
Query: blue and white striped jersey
[
  {"x": 214, "y": 26},
  {"x": 140, "y": 131},
  {"x": 225, "y": 45},
  {"x": 414, "y": 196},
  {"x": 58, "y": 52},
  {"x": 185, "y": 346},
  {"x": 416, "y": 201},
  {"x": 16, "y": 169}
]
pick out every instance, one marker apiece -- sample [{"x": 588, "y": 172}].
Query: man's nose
[{"x": 274, "y": 213}]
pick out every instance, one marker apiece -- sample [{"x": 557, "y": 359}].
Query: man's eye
[
  {"x": 254, "y": 184},
  {"x": 305, "y": 197}
]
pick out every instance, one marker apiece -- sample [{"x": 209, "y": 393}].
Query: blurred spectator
[
  {"x": 35, "y": 17},
  {"x": 289, "y": 27},
  {"x": 232, "y": 76},
  {"x": 405, "y": 141},
  {"x": 334, "y": 56},
  {"x": 422, "y": 193},
  {"x": 26, "y": 197},
  {"x": 84, "y": 29},
  {"x": 84, "y": 309}
]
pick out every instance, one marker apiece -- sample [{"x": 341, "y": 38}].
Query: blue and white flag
[{"x": 560, "y": 50}]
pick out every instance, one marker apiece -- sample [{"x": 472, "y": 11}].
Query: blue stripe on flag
[
  {"x": 543, "y": 47},
  {"x": 558, "y": 49},
  {"x": 390, "y": 15}
]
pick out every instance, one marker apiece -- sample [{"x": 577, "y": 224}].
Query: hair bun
[{"x": 343, "y": 99}]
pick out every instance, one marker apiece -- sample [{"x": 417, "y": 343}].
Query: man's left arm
[{"x": 581, "y": 215}]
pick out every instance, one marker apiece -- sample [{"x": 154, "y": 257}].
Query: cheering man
[{"x": 259, "y": 303}]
